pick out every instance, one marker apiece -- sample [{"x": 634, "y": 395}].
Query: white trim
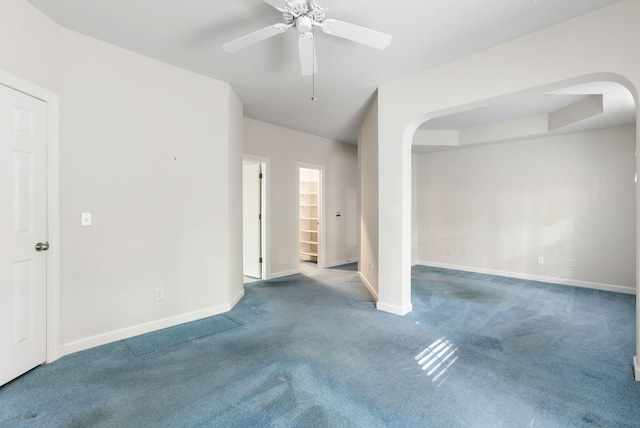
[
  {"x": 636, "y": 367},
  {"x": 236, "y": 299},
  {"x": 136, "y": 330},
  {"x": 532, "y": 277},
  {"x": 340, "y": 262},
  {"x": 53, "y": 209},
  {"x": 396, "y": 310},
  {"x": 283, "y": 273},
  {"x": 367, "y": 284}
]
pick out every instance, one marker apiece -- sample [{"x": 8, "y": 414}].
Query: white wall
[
  {"x": 564, "y": 197},
  {"x": 154, "y": 152},
  {"x": 285, "y": 148},
  {"x": 367, "y": 165},
  {"x": 30, "y": 44},
  {"x": 234, "y": 145},
  {"x": 147, "y": 149},
  {"x": 414, "y": 208}
]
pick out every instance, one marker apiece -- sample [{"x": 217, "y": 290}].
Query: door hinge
[
  {"x": 260, "y": 176},
  {"x": 260, "y": 260},
  {"x": 259, "y": 216}
]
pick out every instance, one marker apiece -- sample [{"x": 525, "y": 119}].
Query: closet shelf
[{"x": 309, "y": 214}]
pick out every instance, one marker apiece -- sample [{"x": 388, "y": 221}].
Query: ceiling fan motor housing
[{"x": 303, "y": 14}]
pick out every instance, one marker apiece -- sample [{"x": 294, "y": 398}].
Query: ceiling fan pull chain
[{"x": 313, "y": 76}]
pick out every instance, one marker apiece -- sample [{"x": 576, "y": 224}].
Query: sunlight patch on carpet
[{"x": 437, "y": 358}]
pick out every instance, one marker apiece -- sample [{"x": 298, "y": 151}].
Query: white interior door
[
  {"x": 251, "y": 221},
  {"x": 23, "y": 224}
]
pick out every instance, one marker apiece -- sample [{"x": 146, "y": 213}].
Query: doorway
[{"x": 310, "y": 242}]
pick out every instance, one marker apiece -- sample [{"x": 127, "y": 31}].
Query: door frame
[
  {"x": 264, "y": 208},
  {"x": 321, "y": 210},
  {"x": 53, "y": 205}
]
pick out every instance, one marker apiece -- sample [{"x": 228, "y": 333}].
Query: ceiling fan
[{"x": 304, "y": 15}]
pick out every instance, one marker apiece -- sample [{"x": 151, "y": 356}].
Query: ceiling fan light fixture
[{"x": 304, "y": 24}]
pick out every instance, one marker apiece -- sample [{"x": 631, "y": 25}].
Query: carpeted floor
[{"x": 311, "y": 350}]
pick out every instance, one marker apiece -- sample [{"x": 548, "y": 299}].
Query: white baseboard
[
  {"x": 393, "y": 309},
  {"x": 127, "y": 332},
  {"x": 236, "y": 299},
  {"x": 341, "y": 262},
  {"x": 283, "y": 273},
  {"x": 532, "y": 277},
  {"x": 367, "y": 284}
]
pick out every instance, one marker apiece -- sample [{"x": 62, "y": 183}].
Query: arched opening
[{"x": 539, "y": 185}]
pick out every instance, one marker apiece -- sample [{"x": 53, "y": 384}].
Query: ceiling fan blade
[
  {"x": 356, "y": 33},
  {"x": 255, "y": 37},
  {"x": 307, "y": 49}
]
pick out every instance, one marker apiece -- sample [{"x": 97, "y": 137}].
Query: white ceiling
[
  {"x": 579, "y": 108},
  {"x": 266, "y": 76}
]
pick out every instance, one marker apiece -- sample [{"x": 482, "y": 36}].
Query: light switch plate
[{"x": 85, "y": 219}]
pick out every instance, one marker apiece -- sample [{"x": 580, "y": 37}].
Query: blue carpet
[
  {"x": 168, "y": 337},
  {"x": 312, "y": 351}
]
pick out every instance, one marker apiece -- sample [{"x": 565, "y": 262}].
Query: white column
[{"x": 394, "y": 227}]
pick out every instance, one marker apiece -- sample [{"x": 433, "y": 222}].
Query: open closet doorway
[
  {"x": 310, "y": 215},
  {"x": 253, "y": 220}
]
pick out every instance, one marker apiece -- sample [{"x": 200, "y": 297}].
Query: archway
[
  {"x": 592, "y": 47},
  {"x": 575, "y": 114},
  {"x": 533, "y": 194}
]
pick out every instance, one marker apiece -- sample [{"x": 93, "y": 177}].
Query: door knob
[{"x": 40, "y": 246}]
